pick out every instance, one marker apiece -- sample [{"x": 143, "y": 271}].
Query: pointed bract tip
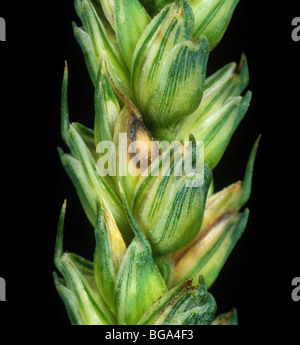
[
  {"x": 247, "y": 181},
  {"x": 243, "y": 57},
  {"x": 64, "y": 206},
  {"x": 74, "y": 25},
  {"x": 58, "y": 251},
  {"x": 257, "y": 141},
  {"x": 60, "y": 151},
  {"x": 202, "y": 279}
]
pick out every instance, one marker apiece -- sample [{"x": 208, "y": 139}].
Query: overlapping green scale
[{"x": 161, "y": 239}]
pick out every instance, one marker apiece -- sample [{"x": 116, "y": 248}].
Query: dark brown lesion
[{"x": 136, "y": 129}]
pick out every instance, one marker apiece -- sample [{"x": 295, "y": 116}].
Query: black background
[{"x": 257, "y": 277}]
